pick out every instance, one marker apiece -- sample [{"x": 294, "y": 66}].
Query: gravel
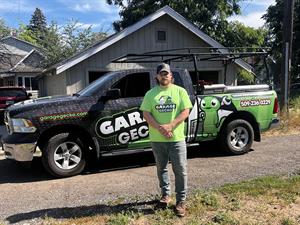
[{"x": 27, "y": 194}]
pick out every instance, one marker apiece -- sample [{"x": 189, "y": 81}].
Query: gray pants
[{"x": 176, "y": 152}]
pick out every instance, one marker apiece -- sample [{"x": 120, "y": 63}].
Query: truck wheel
[
  {"x": 64, "y": 155},
  {"x": 237, "y": 137}
]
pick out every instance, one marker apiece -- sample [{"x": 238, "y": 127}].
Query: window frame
[
  {"x": 23, "y": 82},
  {"x": 130, "y": 74},
  {"x": 156, "y": 35}
]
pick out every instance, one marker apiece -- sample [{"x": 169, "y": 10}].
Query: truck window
[
  {"x": 133, "y": 85},
  {"x": 177, "y": 79}
]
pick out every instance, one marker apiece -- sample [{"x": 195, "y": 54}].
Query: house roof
[
  {"x": 19, "y": 63},
  {"x": 32, "y": 62},
  {"x": 19, "y": 58},
  {"x": 166, "y": 10},
  {"x": 20, "y": 40}
]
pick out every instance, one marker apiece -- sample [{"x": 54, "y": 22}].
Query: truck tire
[
  {"x": 237, "y": 137},
  {"x": 64, "y": 155}
]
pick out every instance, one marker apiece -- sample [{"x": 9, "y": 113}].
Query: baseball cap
[{"x": 163, "y": 67}]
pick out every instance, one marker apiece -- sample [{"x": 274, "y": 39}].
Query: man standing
[{"x": 165, "y": 107}]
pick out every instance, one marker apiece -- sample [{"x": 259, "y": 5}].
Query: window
[
  {"x": 30, "y": 83},
  {"x": 177, "y": 79},
  {"x": 208, "y": 76},
  {"x": 133, "y": 85},
  {"x": 10, "y": 83},
  {"x": 161, "y": 35},
  {"x": 20, "y": 81},
  {"x": 94, "y": 75}
]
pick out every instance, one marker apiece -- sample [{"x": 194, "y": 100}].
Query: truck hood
[{"x": 42, "y": 106}]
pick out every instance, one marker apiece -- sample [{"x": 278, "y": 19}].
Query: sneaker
[
  {"x": 180, "y": 209},
  {"x": 165, "y": 201}
]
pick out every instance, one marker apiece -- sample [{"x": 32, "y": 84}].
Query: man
[{"x": 165, "y": 107}]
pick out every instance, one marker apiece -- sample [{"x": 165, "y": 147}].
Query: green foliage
[
  {"x": 261, "y": 186},
  {"x": 288, "y": 221},
  {"x": 239, "y": 35},
  {"x": 209, "y": 16},
  {"x": 245, "y": 77},
  {"x": 4, "y": 29},
  {"x": 164, "y": 217},
  {"x": 58, "y": 43},
  {"x": 274, "y": 21},
  {"x": 224, "y": 219},
  {"x": 27, "y": 35},
  {"x": 295, "y": 102},
  {"x": 123, "y": 218},
  {"x": 209, "y": 199},
  {"x": 38, "y": 22}
]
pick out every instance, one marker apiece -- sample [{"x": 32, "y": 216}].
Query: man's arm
[
  {"x": 150, "y": 120},
  {"x": 153, "y": 123},
  {"x": 179, "y": 119}
]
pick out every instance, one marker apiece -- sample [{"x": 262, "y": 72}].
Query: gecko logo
[
  {"x": 126, "y": 126},
  {"x": 165, "y": 104}
]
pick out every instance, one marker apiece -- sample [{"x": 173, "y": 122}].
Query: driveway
[{"x": 26, "y": 194}]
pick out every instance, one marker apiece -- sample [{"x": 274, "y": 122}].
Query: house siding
[
  {"x": 54, "y": 85},
  {"x": 143, "y": 40}
]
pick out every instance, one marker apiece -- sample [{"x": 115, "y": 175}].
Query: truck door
[{"x": 121, "y": 125}]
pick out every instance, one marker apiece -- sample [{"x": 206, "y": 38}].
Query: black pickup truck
[{"x": 104, "y": 119}]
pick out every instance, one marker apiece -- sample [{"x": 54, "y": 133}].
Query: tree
[
  {"x": 209, "y": 16},
  {"x": 239, "y": 35},
  {"x": 38, "y": 22},
  {"x": 274, "y": 21},
  {"x": 4, "y": 29},
  {"x": 76, "y": 38},
  {"x": 4, "y": 53}
]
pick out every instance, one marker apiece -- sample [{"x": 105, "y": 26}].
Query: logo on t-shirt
[{"x": 165, "y": 104}]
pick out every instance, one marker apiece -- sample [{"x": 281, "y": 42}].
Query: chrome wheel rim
[
  {"x": 67, "y": 155},
  {"x": 239, "y": 138}
]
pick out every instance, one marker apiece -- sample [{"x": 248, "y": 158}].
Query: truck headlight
[{"x": 22, "y": 126}]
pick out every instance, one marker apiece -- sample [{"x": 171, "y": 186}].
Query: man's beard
[{"x": 164, "y": 82}]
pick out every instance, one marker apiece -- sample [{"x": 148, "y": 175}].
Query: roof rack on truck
[{"x": 195, "y": 55}]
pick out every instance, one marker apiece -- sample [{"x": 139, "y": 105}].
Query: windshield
[
  {"x": 95, "y": 86},
  {"x": 12, "y": 93}
]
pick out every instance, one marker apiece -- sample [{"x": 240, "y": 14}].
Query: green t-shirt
[{"x": 165, "y": 105}]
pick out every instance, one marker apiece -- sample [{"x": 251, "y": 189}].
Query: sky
[{"x": 101, "y": 15}]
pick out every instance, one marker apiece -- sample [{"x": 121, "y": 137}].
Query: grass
[
  {"x": 289, "y": 124},
  {"x": 266, "y": 200}
]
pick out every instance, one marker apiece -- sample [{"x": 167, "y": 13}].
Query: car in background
[{"x": 11, "y": 95}]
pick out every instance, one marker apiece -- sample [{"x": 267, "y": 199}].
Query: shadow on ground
[
  {"x": 145, "y": 207},
  {"x": 13, "y": 172}
]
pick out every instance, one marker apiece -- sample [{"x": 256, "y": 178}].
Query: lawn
[{"x": 267, "y": 200}]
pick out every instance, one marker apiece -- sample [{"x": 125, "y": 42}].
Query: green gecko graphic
[{"x": 213, "y": 111}]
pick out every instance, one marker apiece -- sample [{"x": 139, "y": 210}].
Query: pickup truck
[
  {"x": 11, "y": 95},
  {"x": 104, "y": 119}
]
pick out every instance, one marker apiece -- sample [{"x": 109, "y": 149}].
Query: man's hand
[{"x": 166, "y": 130}]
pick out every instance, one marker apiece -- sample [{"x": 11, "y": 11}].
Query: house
[
  {"x": 164, "y": 29},
  {"x": 20, "y": 64}
]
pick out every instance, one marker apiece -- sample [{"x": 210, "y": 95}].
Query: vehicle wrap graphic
[
  {"x": 255, "y": 102},
  {"x": 64, "y": 116},
  {"x": 126, "y": 126},
  {"x": 208, "y": 114}
]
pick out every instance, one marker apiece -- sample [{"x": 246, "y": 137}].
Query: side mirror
[{"x": 114, "y": 93}]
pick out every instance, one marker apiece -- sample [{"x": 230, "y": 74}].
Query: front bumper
[
  {"x": 16, "y": 147},
  {"x": 19, "y": 152}
]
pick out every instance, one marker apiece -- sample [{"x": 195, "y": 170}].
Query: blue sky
[{"x": 99, "y": 14}]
